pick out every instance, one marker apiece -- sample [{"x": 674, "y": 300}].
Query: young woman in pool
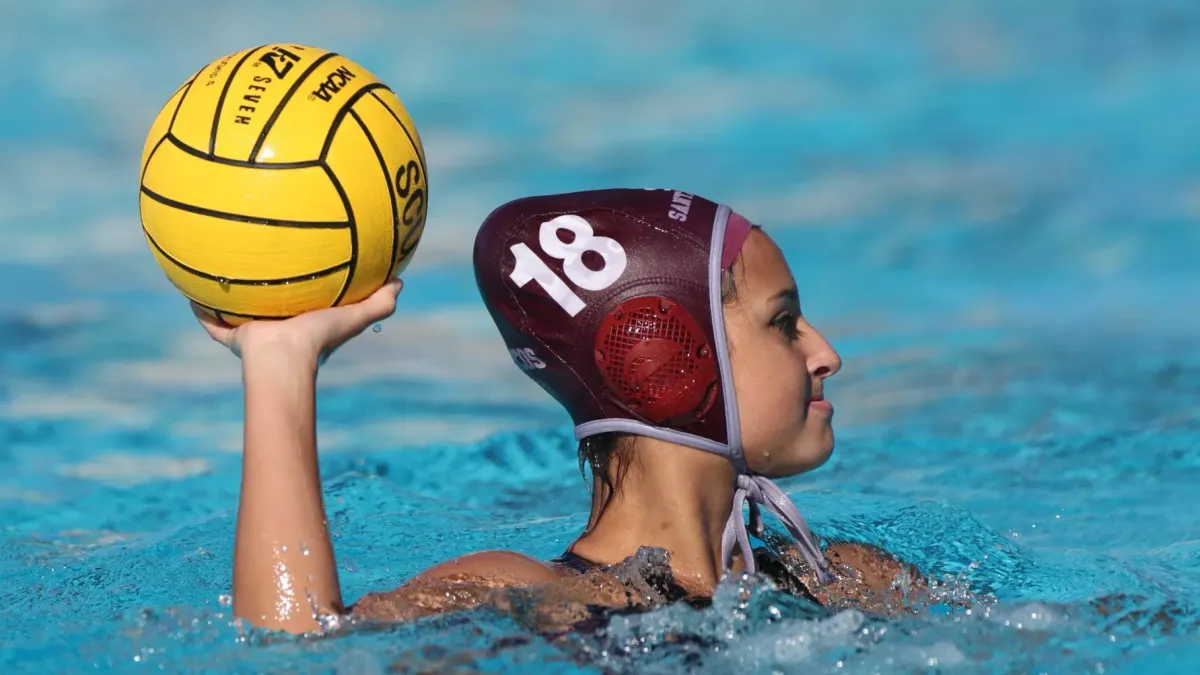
[{"x": 670, "y": 330}]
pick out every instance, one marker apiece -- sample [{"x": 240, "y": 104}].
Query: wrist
[{"x": 271, "y": 347}]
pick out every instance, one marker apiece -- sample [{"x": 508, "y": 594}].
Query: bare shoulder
[
  {"x": 461, "y": 583},
  {"x": 871, "y": 565},
  {"x": 868, "y": 578},
  {"x": 501, "y": 568}
]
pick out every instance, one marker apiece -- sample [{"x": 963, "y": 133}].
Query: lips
[{"x": 818, "y": 401}]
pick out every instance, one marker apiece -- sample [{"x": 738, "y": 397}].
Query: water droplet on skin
[
  {"x": 377, "y": 328},
  {"x": 303, "y": 549}
]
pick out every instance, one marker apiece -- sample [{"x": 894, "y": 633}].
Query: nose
[{"x": 822, "y": 360}]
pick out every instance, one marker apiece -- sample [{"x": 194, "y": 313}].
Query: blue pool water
[{"x": 992, "y": 208}]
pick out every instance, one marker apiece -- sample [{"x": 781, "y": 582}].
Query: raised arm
[
  {"x": 283, "y": 563},
  {"x": 284, "y": 571}
]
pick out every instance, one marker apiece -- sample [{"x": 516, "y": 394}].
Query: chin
[
  {"x": 807, "y": 457},
  {"x": 823, "y": 456},
  {"x": 817, "y": 451}
]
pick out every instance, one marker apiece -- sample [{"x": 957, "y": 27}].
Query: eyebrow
[{"x": 787, "y": 294}]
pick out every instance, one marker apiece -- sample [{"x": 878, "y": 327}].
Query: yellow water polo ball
[{"x": 282, "y": 179}]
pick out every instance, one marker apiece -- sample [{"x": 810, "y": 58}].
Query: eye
[{"x": 787, "y": 322}]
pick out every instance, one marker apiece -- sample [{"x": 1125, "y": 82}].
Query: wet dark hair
[{"x": 598, "y": 452}]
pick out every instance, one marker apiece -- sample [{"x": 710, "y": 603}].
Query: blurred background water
[{"x": 992, "y": 208}]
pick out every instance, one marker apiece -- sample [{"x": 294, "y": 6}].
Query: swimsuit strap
[{"x": 574, "y": 561}]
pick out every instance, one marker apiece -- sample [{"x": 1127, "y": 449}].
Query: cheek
[{"x": 771, "y": 387}]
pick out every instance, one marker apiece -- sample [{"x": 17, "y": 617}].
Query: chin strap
[{"x": 760, "y": 490}]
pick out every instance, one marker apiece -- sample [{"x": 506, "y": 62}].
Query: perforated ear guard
[{"x": 657, "y": 361}]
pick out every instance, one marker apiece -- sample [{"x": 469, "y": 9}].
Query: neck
[{"x": 672, "y": 497}]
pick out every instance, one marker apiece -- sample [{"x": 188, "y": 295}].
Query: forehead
[{"x": 761, "y": 270}]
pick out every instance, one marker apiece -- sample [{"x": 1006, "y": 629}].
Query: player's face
[{"x": 780, "y": 363}]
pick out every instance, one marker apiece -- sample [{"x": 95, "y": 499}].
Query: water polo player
[{"x": 670, "y": 330}]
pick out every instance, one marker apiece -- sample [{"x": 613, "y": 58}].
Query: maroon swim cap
[{"x": 611, "y": 301}]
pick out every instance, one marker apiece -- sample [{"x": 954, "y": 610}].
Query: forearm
[{"x": 284, "y": 567}]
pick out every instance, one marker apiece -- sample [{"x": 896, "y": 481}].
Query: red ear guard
[{"x": 657, "y": 361}]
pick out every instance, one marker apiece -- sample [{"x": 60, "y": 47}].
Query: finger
[
  {"x": 382, "y": 303},
  {"x": 216, "y": 329},
  {"x": 374, "y": 308}
]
